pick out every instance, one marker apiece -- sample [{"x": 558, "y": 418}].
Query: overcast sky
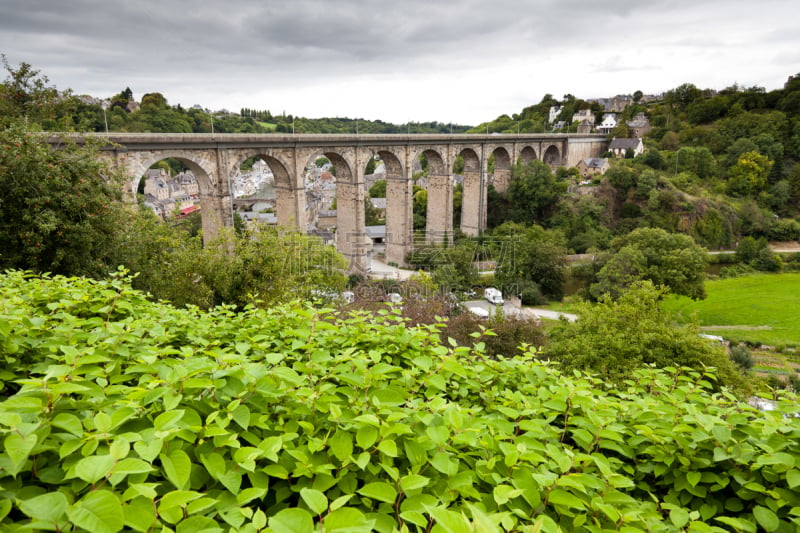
[{"x": 460, "y": 61}]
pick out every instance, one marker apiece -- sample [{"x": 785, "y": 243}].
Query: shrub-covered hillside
[{"x": 119, "y": 413}]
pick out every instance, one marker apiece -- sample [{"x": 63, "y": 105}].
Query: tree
[
  {"x": 682, "y": 96},
  {"x": 122, "y": 99},
  {"x": 530, "y": 255},
  {"x": 420, "y": 207},
  {"x": 378, "y": 189},
  {"x": 370, "y": 168},
  {"x": 455, "y": 267},
  {"x": 58, "y": 210},
  {"x": 533, "y": 191},
  {"x": 26, "y": 96},
  {"x": 666, "y": 259},
  {"x": 615, "y": 337},
  {"x": 749, "y": 174},
  {"x": 371, "y": 214},
  {"x": 154, "y": 99},
  {"x": 757, "y": 254},
  {"x": 264, "y": 265}
]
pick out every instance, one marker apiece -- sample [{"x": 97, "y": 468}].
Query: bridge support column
[
  {"x": 290, "y": 207},
  {"x": 502, "y": 179},
  {"x": 217, "y": 213},
  {"x": 351, "y": 238},
  {"x": 473, "y": 207},
  {"x": 399, "y": 218},
  {"x": 440, "y": 209}
]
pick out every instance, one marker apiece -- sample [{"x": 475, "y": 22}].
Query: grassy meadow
[{"x": 760, "y": 308}]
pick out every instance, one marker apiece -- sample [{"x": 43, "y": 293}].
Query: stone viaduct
[{"x": 215, "y": 158}]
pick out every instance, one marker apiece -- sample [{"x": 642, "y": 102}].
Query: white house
[
  {"x": 554, "y": 111},
  {"x": 619, "y": 147},
  {"x": 608, "y": 124}
]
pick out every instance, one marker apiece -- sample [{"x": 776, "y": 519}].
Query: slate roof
[{"x": 624, "y": 144}]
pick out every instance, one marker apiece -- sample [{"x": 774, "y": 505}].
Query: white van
[{"x": 493, "y": 296}]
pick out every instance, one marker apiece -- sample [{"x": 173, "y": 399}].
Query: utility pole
[{"x": 104, "y": 105}]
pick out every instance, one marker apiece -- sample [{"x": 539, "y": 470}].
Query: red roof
[{"x": 190, "y": 209}]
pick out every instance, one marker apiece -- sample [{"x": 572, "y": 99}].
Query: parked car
[{"x": 479, "y": 312}]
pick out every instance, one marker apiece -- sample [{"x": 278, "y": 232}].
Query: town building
[
  {"x": 640, "y": 125},
  {"x": 608, "y": 124},
  {"x": 592, "y": 166},
  {"x": 583, "y": 114},
  {"x": 619, "y": 147}
]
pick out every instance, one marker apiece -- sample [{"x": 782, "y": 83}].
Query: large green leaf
[
  {"x": 315, "y": 499},
  {"x": 49, "y": 507},
  {"x": 347, "y": 520},
  {"x": 766, "y": 518},
  {"x": 140, "y": 514},
  {"x": 379, "y": 491},
  {"x": 18, "y": 448},
  {"x": 98, "y": 512},
  {"x": 95, "y": 467},
  {"x": 292, "y": 521},
  {"x": 448, "y": 521},
  {"x": 177, "y": 467}
]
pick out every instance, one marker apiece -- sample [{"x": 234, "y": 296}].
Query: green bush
[
  {"x": 740, "y": 355},
  {"x": 119, "y": 413}
]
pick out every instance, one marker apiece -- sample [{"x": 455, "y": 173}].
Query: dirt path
[{"x": 742, "y": 328}]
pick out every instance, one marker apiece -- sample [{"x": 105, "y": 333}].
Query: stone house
[
  {"x": 327, "y": 219},
  {"x": 157, "y": 187},
  {"x": 592, "y": 165},
  {"x": 583, "y": 114},
  {"x": 380, "y": 205},
  {"x": 188, "y": 184},
  {"x": 619, "y": 147},
  {"x": 640, "y": 125}
]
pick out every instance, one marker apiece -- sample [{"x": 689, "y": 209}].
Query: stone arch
[
  {"x": 552, "y": 156},
  {"x": 527, "y": 155},
  {"x": 502, "y": 169},
  {"x": 399, "y": 219},
  {"x": 439, "y": 226},
  {"x": 286, "y": 191},
  {"x": 213, "y": 213},
  {"x": 205, "y": 177},
  {"x": 473, "y": 203},
  {"x": 349, "y": 226}
]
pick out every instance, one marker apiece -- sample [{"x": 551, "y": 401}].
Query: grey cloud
[{"x": 191, "y": 47}]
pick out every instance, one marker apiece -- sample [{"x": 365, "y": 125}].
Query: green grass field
[
  {"x": 762, "y": 308},
  {"x": 268, "y": 125}
]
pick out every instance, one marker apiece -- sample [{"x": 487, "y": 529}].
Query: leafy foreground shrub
[{"x": 118, "y": 413}]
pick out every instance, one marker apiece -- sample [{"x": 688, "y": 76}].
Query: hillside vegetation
[
  {"x": 718, "y": 165},
  {"x": 120, "y": 413}
]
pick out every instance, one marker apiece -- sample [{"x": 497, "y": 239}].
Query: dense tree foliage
[
  {"x": 58, "y": 207},
  {"x": 615, "y": 337},
  {"x": 531, "y": 262},
  {"x": 671, "y": 260},
  {"x": 533, "y": 192},
  {"x": 262, "y": 266}
]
